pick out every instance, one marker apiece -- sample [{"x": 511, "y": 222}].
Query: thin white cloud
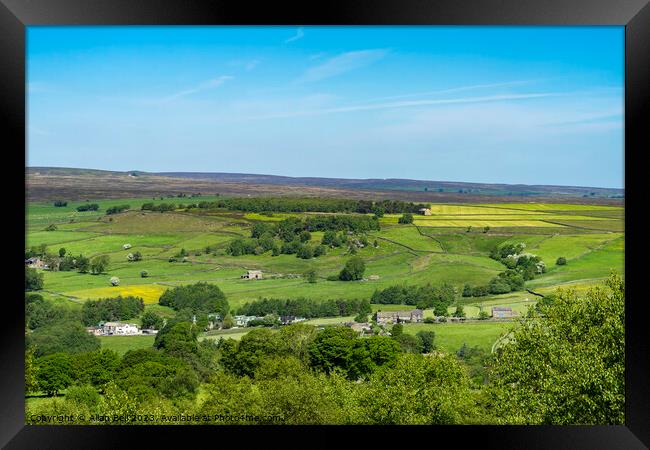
[
  {"x": 210, "y": 84},
  {"x": 300, "y": 33},
  {"x": 407, "y": 104},
  {"x": 456, "y": 89},
  {"x": 342, "y": 63}
]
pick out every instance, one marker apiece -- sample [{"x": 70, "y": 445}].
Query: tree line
[
  {"x": 521, "y": 267},
  {"x": 297, "y": 204}
]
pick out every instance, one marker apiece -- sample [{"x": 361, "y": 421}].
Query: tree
[
  {"x": 33, "y": 279},
  {"x": 54, "y": 373},
  {"x": 440, "y": 310},
  {"x": 305, "y": 236},
  {"x": 561, "y": 261},
  {"x": 196, "y": 297},
  {"x": 144, "y": 274},
  {"x": 61, "y": 252},
  {"x": 228, "y": 322},
  {"x": 486, "y": 229},
  {"x": 305, "y": 252},
  {"x": 409, "y": 343},
  {"x": 397, "y": 330},
  {"x": 483, "y": 315},
  {"x": 361, "y": 318},
  {"x": 83, "y": 264},
  {"x": 353, "y": 270},
  {"x": 406, "y": 218},
  {"x": 94, "y": 368},
  {"x": 565, "y": 364},
  {"x": 62, "y": 336},
  {"x": 178, "y": 338},
  {"x": 460, "y": 312},
  {"x": 332, "y": 348},
  {"x": 419, "y": 390},
  {"x": 99, "y": 264},
  {"x": 51, "y": 227},
  {"x": 151, "y": 320},
  {"x": 115, "y": 281},
  {"x": 426, "y": 340}
]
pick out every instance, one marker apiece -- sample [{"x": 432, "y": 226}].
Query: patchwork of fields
[{"x": 434, "y": 249}]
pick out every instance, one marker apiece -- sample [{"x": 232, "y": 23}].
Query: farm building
[
  {"x": 252, "y": 275},
  {"x": 362, "y": 328},
  {"x": 35, "y": 263},
  {"x": 97, "y": 331},
  {"x": 500, "y": 312},
  {"x": 288, "y": 320},
  {"x": 242, "y": 321},
  {"x": 126, "y": 246},
  {"x": 415, "y": 315},
  {"x": 425, "y": 211},
  {"x": 373, "y": 277},
  {"x": 121, "y": 329}
]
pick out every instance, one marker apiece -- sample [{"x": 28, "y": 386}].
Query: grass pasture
[
  {"x": 449, "y": 337},
  {"x": 435, "y": 249},
  {"x": 122, "y": 344}
]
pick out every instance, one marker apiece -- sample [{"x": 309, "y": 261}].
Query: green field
[
  {"x": 451, "y": 336},
  {"x": 412, "y": 254},
  {"x": 122, "y": 344}
]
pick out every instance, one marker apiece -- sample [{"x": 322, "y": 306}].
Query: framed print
[{"x": 371, "y": 218}]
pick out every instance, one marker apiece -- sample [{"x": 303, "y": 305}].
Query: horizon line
[{"x": 326, "y": 178}]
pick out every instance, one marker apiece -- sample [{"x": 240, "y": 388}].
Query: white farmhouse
[{"x": 120, "y": 329}]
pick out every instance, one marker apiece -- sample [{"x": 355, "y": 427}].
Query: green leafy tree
[
  {"x": 62, "y": 252},
  {"x": 99, "y": 264},
  {"x": 561, "y": 261},
  {"x": 426, "y": 340},
  {"x": 460, "y": 311},
  {"x": 228, "y": 322},
  {"x": 96, "y": 368},
  {"x": 196, "y": 297},
  {"x": 397, "y": 330},
  {"x": 566, "y": 363},
  {"x": 409, "y": 343},
  {"x": 406, "y": 218},
  {"x": 33, "y": 279},
  {"x": 151, "y": 320},
  {"x": 83, "y": 264},
  {"x": 419, "y": 389},
  {"x": 178, "y": 338},
  {"x": 353, "y": 270},
  {"x": 62, "y": 336},
  {"x": 54, "y": 373}
]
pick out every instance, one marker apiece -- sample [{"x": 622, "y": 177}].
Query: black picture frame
[{"x": 16, "y": 15}]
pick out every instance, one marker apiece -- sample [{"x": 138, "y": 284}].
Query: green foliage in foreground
[{"x": 565, "y": 364}]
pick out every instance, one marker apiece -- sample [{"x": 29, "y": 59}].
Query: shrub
[
  {"x": 561, "y": 261},
  {"x": 353, "y": 270},
  {"x": 33, "y": 279}
]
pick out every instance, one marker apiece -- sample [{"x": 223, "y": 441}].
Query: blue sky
[{"x": 529, "y": 105}]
